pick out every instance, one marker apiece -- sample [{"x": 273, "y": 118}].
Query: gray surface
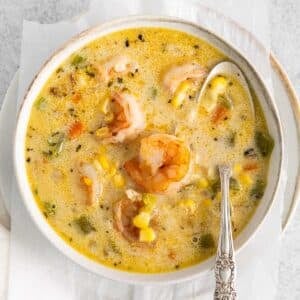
[{"x": 285, "y": 36}]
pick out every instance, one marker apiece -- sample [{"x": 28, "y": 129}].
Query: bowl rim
[{"x": 83, "y": 260}]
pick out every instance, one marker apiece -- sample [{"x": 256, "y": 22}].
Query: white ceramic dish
[{"x": 84, "y": 38}]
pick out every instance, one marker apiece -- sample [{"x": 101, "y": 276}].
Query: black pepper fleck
[
  {"x": 28, "y": 159},
  {"x": 127, "y": 43},
  {"x": 141, "y": 37}
]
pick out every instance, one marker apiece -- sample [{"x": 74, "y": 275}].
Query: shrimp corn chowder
[{"x": 121, "y": 156}]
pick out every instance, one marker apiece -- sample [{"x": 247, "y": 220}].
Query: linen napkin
[{"x": 40, "y": 271}]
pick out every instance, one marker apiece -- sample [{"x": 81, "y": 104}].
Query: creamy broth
[{"x": 77, "y": 162}]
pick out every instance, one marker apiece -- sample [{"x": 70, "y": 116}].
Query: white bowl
[{"x": 79, "y": 41}]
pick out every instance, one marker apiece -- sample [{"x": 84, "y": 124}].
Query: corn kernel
[
  {"x": 147, "y": 235},
  {"x": 207, "y": 202},
  {"x": 219, "y": 196},
  {"x": 102, "y": 132},
  {"x": 203, "y": 183},
  {"x": 245, "y": 179},
  {"x": 104, "y": 162},
  {"x": 180, "y": 93},
  {"x": 112, "y": 170},
  {"x": 141, "y": 220},
  {"x": 237, "y": 169},
  {"x": 149, "y": 202},
  {"x": 104, "y": 105},
  {"x": 102, "y": 149},
  {"x": 189, "y": 203},
  {"x": 109, "y": 117},
  {"x": 87, "y": 181},
  {"x": 97, "y": 165},
  {"x": 119, "y": 181},
  {"x": 219, "y": 84}
]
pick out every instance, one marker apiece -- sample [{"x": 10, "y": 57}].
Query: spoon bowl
[{"x": 227, "y": 68}]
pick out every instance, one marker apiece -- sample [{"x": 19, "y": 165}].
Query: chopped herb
[
  {"x": 49, "y": 209},
  {"x": 141, "y": 37},
  {"x": 60, "y": 69},
  {"x": 48, "y": 153},
  {"x": 90, "y": 71},
  {"x": 84, "y": 225},
  {"x": 55, "y": 142},
  {"x": 127, "y": 43},
  {"x": 91, "y": 74},
  {"x": 114, "y": 247},
  {"x": 71, "y": 111},
  {"x": 40, "y": 104},
  {"x": 250, "y": 153},
  {"x": 215, "y": 187},
  {"x": 153, "y": 92},
  {"x": 36, "y": 192},
  {"x": 225, "y": 101},
  {"x": 231, "y": 139},
  {"x": 234, "y": 184},
  {"x": 55, "y": 138},
  {"x": 77, "y": 60},
  {"x": 264, "y": 143},
  {"x": 120, "y": 80},
  {"x": 207, "y": 241},
  {"x": 78, "y": 148},
  {"x": 163, "y": 47},
  {"x": 258, "y": 190},
  {"x": 54, "y": 90}
]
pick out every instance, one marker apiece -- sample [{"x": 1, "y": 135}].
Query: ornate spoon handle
[{"x": 225, "y": 264}]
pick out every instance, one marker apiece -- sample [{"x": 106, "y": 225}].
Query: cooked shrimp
[
  {"x": 177, "y": 74},
  {"x": 91, "y": 182},
  {"x": 162, "y": 163},
  {"x": 128, "y": 120},
  {"x": 120, "y": 64},
  {"x": 124, "y": 212}
]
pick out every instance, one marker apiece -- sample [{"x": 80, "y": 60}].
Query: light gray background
[{"x": 285, "y": 43}]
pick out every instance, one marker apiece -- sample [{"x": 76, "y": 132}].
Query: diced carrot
[
  {"x": 219, "y": 114},
  {"x": 76, "y": 98},
  {"x": 250, "y": 166},
  {"x": 75, "y": 130}
]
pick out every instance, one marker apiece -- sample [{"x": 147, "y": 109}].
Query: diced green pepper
[
  {"x": 207, "y": 241},
  {"x": 77, "y": 60},
  {"x": 40, "y": 104},
  {"x": 85, "y": 225},
  {"x": 258, "y": 190},
  {"x": 49, "y": 209},
  {"x": 264, "y": 142},
  {"x": 234, "y": 184}
]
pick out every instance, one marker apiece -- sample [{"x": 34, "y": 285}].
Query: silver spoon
[{"x": 225, "y": 264}]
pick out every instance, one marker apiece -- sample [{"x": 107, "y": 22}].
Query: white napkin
[{"x": 40, "y": 271}]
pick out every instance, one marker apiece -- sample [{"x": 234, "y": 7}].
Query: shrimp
[
  {"x": 91, "y": 182},
  {"x": 119, "y": 64},
  {"x": 124, "y": 212},
  {"x": 128, "y": 120},
  {"x": 178, "y": 74},
  {"x": 162, "y": 163}
]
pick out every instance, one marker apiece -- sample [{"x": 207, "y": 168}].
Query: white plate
[{"x": 288, "y": 106}]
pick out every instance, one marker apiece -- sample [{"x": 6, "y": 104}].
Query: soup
[{"x": 122, "y": 156}]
